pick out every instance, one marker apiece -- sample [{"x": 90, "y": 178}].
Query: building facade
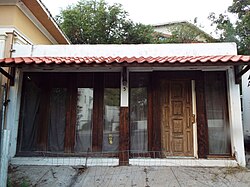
[{"x": 174, "y": 103}]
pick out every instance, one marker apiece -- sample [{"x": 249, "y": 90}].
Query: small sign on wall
[{"x": 124, "y": 87}]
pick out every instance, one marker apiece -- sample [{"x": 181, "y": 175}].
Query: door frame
[
  {"x": 157, "y": 130},
  {"x": 195, "y": 138}
]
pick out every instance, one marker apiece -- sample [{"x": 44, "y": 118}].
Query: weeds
[{"x": 22, "y": 183}]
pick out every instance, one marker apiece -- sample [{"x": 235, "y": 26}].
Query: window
[
  {"x": 138, "y": 112},
  {"x": 111, "y": 113},
  {"x": 29, "y": 116},
  {"x": 57, "y": 119},
  {"x": 69, "y": 112},
  {"x": 84, "y": 112},
  {"x": 217, "y": 113},
  {"x": 43, "y": 113}
]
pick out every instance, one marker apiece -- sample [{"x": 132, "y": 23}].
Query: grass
[{"x": 22, "y": 183}]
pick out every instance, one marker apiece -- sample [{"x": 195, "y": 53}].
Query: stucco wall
[
  {"x": 145, "y": 50},
  {"x": 12, "y": 16},
  {"x": 246, "y": 107}
]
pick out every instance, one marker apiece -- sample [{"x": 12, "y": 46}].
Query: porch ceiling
[{"x": 101, "y": 60}]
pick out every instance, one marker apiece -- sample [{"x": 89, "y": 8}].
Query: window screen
[
  {"x": 138, "y": 112},
  {"x": 217, "y": 113}
]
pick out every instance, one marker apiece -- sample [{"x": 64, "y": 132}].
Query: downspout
[{"x": 6, "y": 83}]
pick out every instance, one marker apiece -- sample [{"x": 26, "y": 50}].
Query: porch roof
[{"x": 102, "y": 60}]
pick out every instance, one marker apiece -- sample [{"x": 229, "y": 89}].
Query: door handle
[
  {"x": 110, "y": 139},
  {"x": 193, "y": 119}
]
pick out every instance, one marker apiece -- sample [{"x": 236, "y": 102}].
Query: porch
[
  {"x": 95, "y": 117},
  {"x": 164, "y": 110}
]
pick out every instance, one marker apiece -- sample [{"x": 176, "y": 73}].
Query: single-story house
[{"x": 161, "y": 104}]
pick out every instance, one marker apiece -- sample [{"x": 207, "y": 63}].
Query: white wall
[
  {"x": 13, "y": 109},
  {"x": 246, "y": 105},
  {"x": 2, "y": 44},
  {"x": 235, "y": 119},
  {"x": 139, "y": 50},
  {"x": 19, "y": 38}
]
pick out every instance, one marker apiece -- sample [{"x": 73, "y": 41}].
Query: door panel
[{"x": 176, "y": 115}]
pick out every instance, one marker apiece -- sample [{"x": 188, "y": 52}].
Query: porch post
[
  {"x": 124, "y": 123},
  {"x": 235, "y": 119},
  {"x": 202, "y": 128}
]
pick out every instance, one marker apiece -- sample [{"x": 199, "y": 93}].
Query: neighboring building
[
  {"x": 26, "y": 22},
  {"x": 30, "y": 22},
  {"x": 178, "y": 104},
  {"x": 185, "y": 31},
  {"x": 246, "y": 108},
  {"x": 21, "y": 22}
]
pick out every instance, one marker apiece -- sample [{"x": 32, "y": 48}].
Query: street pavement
[{"x": 131, "y": 176}]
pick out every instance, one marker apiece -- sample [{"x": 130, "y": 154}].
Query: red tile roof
[{"x": 126, "y": 60}]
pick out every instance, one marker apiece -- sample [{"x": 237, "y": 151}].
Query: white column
[
  {"x": 13, "y": 110},
  {"x": 235, "y": 119},
  {"x": 5, "y": 134},
  {"x": 2, "y": 44}
]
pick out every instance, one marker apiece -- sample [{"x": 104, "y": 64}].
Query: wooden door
[{"x": 176, "y": 117}]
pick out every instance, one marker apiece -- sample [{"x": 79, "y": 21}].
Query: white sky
[{"x": 159, "y": 11}]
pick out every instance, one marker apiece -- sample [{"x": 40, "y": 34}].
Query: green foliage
[
  {"x": 239, "y": 31},
  {"x": 21, "y": 183},
  {"x": 112, "y": 97},
  {"x": 96, "y": 22}
]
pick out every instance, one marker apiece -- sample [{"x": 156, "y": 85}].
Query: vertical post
[
  {"x": 42, "y": 136},
  {"x": 124, "y": 137},
  {"x": 97, "y": 131},
  {"x": 4, "y": 157},
  {"x": 235, "y": 120},
  {"x": 202, "y": 129},
  {"x": 4, "y": 130},
  {"x": 69, "y": 140},
  {"x": 150, "y": 113},
  {"x": 156, "y": 116},
  {"x": 124, "y": 122},
  {"x": 2, "y": 47}
]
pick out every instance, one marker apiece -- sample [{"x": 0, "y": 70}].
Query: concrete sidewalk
[{"x": 136, "y": 176}]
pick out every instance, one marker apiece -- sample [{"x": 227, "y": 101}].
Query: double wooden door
[{"x": 176, "y": 117}]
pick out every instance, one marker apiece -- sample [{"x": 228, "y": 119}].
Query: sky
[{"x": 159, "y": 11}]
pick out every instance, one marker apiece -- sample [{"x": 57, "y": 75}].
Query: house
[
  {"x": 25, "y": 22},
  {"x": 30, "y": 22},
  {"x": 185, "y": 31},
  {"x": 153, "y": 104}
]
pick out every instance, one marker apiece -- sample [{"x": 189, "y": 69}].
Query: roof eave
[{"x": 43, "y": 15}]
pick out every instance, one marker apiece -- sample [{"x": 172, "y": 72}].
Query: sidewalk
[{"x": 131, "y": 176}]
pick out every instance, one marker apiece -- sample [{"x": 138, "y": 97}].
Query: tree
[
  {"x": 239, "y": 31},
  {"x": 96, "y": 22}
]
